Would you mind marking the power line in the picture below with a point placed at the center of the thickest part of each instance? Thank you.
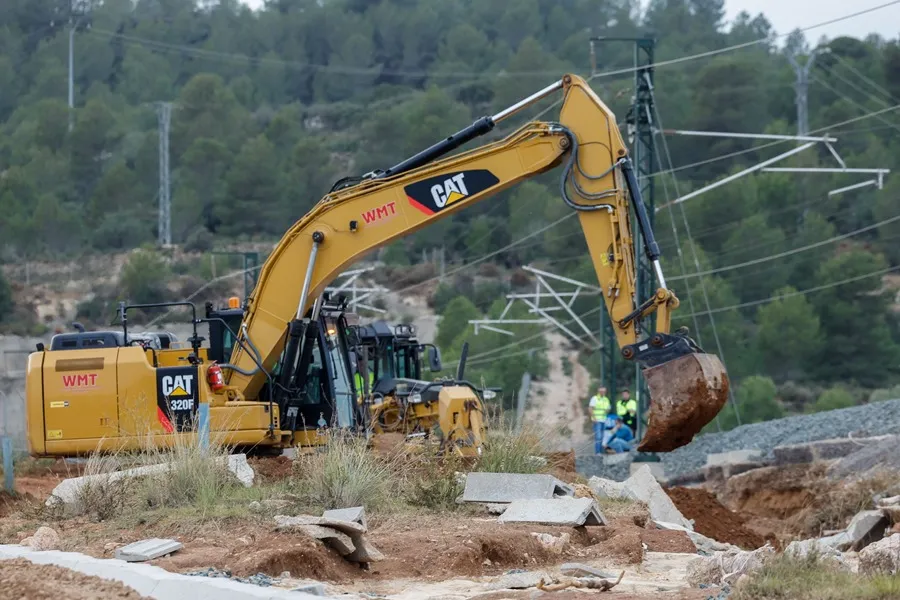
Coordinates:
(800, 292)
(852, 101)
(757, 261)
(864, 77)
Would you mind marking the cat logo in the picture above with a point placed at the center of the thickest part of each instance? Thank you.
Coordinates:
(436, 193)
(177, 386)
(176, 398)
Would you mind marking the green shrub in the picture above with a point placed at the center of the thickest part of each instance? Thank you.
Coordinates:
(508, 451)
(144, 277)
(834, 398)
(883, 394)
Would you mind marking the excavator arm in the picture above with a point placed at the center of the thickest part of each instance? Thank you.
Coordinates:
(596, 181)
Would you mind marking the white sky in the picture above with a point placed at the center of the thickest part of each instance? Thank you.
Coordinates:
(787, 15)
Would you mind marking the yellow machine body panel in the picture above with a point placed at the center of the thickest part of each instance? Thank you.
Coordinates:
(81, 394)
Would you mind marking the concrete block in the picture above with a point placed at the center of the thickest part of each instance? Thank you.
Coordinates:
(606, 488)
(881, 557)
(831, 449)
(687, 479)
(314, 588)
(735, 456)
(341, 542)
(582, 570)
(364, 551)
(791, 455)
(743, 467)
(147, 550)
(866, 527)
(506, 487)
(573, 512)
(237, 464)
(643, 486)
(357, 514)
(347, 527)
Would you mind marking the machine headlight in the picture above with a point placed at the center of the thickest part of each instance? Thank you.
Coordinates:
(489, 394)
(415, 398)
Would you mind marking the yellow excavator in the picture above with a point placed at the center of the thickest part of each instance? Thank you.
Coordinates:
(285, 374)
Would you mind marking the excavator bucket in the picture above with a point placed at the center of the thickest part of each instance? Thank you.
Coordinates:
(686, 393)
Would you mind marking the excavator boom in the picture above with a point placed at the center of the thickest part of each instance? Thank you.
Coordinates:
(596, 181)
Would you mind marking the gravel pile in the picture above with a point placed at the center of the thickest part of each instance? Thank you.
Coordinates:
(878, 418)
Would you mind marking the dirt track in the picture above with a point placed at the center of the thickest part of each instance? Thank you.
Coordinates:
(23, 580)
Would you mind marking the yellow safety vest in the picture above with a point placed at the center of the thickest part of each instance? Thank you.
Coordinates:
(359, 384)
(623, 409)
(601, 408)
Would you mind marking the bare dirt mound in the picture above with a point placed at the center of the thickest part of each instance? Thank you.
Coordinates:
(714, 520)
(662, 540)
(774, 492)
(271, 469)
(23, 579)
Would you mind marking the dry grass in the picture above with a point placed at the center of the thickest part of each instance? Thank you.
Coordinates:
(789, 578)
(835, 507)
(507, 450)
(346, 472)
(435, 483)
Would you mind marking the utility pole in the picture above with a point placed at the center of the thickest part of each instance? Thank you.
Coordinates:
(801, 86)
(164, 114)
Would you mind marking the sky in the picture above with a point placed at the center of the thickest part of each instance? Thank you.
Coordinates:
(787, 15)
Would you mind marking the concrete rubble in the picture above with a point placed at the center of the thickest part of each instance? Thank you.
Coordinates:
(147, 550)
(725, 568)
(551, 543)
(356, 514)
(881, 557)
(606, 488)
(572, 512)
(507, 487)
(67, 492)
(702, 543)
(644, 487)
(347, 538)
(823, 552)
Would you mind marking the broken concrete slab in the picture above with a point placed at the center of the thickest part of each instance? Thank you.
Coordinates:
(573, 512)
(724, 568)
(506, 487)
(364, 551)
(733, 457)
(147, 550)
(356, 514)
(68, 490)
(644, 487)
(341, 542)
(657, 469)
(521, 580)
(315, 588)
(346, 527)
(791, 455)
(866, 527)
(583, 570)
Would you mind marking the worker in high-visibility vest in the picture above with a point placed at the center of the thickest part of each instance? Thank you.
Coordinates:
(360, 391)
(626, 407)
(600, 407)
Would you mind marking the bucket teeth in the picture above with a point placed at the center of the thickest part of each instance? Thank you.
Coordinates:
(686, 393)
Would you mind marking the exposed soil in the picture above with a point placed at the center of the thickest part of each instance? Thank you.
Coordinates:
(661, 540)
(24, 580)
(712, 519)
(774, 492)
(271, 468)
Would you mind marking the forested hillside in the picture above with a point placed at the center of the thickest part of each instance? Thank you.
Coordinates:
(270, 107)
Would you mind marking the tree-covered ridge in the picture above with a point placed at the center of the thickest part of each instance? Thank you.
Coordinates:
(270, 107)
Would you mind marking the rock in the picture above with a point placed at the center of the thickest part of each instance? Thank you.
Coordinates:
(644, 487)
(607, 488)
(237, 464)
(145, 550)
(44, 538)
(881, 557)
(347, 527)
(506, 487)
(823, 552)
(341, 542)
(111, 546)
(582, 570)
(365, 552)
(892, 512)
(520, 581)
(726, 567)
(866, 527)
(572, 512)
(890, 501)
(255, 506)
(553, 544)
(315, 588)
(357, 514)
(495, 508)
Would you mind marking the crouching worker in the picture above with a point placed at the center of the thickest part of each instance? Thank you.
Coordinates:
(622, 439)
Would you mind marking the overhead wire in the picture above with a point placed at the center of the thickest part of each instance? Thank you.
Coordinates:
(865, 78)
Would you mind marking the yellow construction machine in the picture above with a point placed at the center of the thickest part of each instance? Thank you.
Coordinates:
(280, 372)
